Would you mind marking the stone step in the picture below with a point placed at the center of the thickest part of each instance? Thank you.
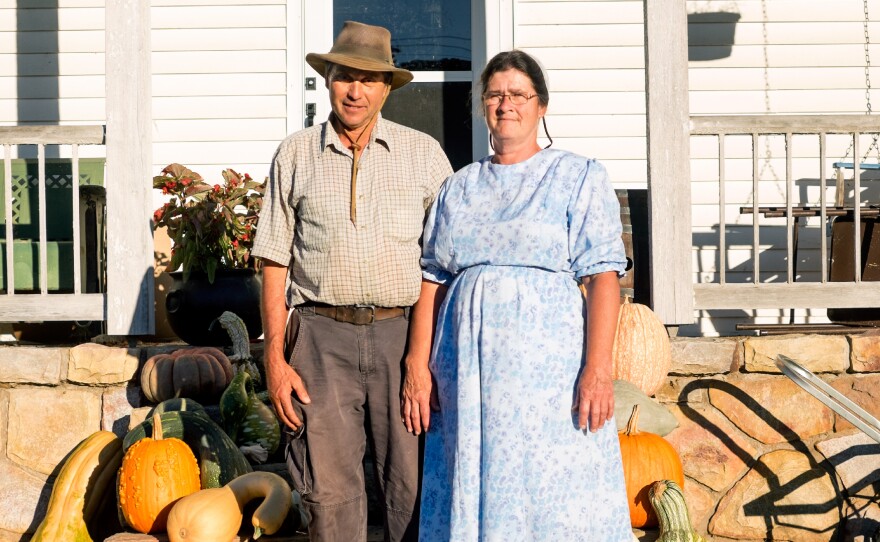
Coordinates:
(374, 534)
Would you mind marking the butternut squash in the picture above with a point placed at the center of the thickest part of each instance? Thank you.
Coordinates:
(212, 515)
(86, 477)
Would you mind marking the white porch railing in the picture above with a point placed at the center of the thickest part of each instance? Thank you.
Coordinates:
(37, 303)
(785, 286)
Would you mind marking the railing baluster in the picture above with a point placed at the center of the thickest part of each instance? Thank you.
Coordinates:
(74, 193)
(756, 240)
(7, 198)
(790, 224)
(722, 227)
(857, 214)
(41, 183)
(823, 218)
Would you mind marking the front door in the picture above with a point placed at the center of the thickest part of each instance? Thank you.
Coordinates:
(432, 39)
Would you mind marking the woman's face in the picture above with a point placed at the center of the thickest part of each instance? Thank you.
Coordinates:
(509, 122)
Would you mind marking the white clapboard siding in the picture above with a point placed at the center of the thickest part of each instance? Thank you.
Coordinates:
(52, 41)
(229, 19)
(599, 125)
(211, 107)
(218, 84)
(231, 62)
(575, 12)
(25, 19)
(593, 35)
(596, 80)
(40, 64)
(701, 77)
(209, 39)
(219, 129)
(69, 86)
(198, 152)
(73, 111)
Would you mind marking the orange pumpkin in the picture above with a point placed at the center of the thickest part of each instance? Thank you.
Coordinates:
(642, 353)
(155, 473)
(647, 458)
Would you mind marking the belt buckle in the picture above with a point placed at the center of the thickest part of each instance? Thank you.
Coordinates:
(362, 312)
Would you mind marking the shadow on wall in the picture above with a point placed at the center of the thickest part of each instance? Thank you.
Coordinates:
(37, 67)
(771, 507)
(710, 34)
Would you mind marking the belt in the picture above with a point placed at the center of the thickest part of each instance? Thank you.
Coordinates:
(360, 315)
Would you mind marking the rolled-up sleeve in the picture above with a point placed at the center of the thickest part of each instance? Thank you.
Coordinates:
(595, 242)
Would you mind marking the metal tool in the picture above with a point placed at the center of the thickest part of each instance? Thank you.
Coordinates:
(830, 397)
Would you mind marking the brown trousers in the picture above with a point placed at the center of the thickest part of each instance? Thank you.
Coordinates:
(353, 376)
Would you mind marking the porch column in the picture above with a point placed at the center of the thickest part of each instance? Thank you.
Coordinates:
(669, 203)
(129, 163)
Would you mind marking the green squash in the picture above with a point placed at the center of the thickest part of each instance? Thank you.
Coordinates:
(653, 417)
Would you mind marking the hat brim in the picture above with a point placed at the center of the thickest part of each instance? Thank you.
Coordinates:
(399, 76)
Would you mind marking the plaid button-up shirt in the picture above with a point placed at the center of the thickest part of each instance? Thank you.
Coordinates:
(305, 223)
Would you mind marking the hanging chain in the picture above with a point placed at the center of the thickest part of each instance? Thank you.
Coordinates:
(873, 145)
(867, 62)
(868, 108)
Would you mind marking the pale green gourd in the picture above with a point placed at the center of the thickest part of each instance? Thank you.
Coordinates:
(672, 513)
(245, 418)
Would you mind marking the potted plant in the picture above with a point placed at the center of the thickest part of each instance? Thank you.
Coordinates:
(212, 228)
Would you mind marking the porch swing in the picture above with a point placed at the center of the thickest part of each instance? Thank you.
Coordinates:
(842, 265)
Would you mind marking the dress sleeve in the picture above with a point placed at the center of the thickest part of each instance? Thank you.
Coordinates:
(594, 229)
(434, 265)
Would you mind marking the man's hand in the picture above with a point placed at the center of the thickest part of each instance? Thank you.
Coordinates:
(283, 383)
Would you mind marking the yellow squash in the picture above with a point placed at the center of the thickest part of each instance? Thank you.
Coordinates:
(85, 478)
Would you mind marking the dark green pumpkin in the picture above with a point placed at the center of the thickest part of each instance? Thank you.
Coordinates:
(220, 460)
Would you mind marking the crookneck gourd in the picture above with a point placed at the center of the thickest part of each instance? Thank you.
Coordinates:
(212, 515)
(245, 418)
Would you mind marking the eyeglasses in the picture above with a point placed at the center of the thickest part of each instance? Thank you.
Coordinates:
(516, 98)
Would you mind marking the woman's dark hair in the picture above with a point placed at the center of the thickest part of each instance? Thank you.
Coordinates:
(517, 60)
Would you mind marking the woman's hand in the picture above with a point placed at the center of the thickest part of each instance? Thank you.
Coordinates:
(418, 394)
(418, 398)
(594, 401)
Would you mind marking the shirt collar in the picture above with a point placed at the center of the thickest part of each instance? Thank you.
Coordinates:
(380, 134)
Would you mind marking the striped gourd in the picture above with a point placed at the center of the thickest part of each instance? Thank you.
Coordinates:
(672, 513)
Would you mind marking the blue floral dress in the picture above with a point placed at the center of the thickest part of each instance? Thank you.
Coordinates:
(504, 458)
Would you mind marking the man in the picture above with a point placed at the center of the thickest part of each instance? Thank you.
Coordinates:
(339, 236)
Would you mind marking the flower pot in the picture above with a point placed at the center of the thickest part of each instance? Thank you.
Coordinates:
(194, 304)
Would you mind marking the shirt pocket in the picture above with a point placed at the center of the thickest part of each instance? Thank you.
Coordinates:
(403, 214)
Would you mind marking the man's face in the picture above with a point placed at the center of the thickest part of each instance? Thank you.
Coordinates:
(356, 95)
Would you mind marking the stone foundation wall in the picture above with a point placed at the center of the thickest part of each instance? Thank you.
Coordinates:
(763, 459)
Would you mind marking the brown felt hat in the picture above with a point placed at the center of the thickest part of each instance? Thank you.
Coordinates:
(363, 47)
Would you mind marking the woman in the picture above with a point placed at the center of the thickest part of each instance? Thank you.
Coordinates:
(523, 446)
